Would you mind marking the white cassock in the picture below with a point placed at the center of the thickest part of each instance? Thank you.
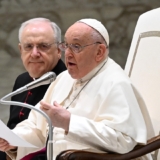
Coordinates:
(107, 115)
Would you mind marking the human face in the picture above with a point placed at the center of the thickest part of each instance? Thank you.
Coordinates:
(36, 61)
(80, 64)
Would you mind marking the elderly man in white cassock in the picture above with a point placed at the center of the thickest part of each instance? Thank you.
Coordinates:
(93, 105)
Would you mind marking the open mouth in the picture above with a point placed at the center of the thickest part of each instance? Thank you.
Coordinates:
(71, 64)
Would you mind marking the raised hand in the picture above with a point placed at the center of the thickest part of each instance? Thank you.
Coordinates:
(59, 116)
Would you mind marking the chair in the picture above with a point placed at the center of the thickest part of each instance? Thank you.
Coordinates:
(143, 67)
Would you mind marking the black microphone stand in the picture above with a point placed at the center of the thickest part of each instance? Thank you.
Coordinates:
(50, 141)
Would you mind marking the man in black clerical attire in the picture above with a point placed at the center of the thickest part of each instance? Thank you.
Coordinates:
(38, 44)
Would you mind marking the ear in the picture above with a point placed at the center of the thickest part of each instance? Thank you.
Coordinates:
(20, 48)
(101, 53)
(59, 53)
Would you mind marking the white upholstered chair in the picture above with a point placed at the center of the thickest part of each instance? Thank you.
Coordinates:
(143, 67)
(143, 63)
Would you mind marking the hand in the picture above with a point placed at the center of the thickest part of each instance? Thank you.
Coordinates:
(4, 145)
(59, 116)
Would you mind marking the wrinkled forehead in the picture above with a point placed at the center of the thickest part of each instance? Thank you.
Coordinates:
(79, 31)
(37, 30)
(38, 26)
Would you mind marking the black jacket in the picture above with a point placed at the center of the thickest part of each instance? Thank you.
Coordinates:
(32, 97)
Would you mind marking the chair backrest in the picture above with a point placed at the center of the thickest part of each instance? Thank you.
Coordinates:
(143, 63)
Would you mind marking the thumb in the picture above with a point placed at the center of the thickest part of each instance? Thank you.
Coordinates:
(56, 104)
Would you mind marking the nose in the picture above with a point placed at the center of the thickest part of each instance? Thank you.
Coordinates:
(68, 52)
(35, 52)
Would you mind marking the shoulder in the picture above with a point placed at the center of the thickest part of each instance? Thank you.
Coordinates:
(23, 75)
(113, 74)
(62, 80)
(22, 80)
(64, 76)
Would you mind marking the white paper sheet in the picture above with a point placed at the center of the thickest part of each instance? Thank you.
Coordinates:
(12, 138)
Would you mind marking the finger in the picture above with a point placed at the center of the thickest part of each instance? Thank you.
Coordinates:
(44, 106)
(4, 147)
(9, 147)
(2, 140)
(56, 104)
(3, 143)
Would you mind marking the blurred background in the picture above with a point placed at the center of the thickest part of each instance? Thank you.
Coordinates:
(119, 17)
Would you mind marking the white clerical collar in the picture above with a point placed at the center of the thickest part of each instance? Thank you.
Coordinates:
(91, 73)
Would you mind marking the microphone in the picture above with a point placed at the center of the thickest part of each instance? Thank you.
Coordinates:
(43, 80)
(47, 78)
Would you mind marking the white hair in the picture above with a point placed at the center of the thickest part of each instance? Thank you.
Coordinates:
(56, 29)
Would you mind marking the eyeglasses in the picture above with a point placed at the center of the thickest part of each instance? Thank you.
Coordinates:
(74, 47)
(41, 47)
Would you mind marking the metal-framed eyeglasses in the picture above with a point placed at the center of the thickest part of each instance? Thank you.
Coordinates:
(75, 48)
(41, 46)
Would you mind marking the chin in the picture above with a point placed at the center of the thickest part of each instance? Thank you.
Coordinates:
(74, 76)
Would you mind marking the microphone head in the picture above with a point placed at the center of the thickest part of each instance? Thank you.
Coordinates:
(47, 78)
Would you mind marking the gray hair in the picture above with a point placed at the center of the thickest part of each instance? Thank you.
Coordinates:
(98, 37)
(56, 29)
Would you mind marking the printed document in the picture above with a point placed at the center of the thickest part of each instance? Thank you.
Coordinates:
(12, 138)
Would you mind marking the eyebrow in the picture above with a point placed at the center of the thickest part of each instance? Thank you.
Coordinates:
(74, 40)
(65, 38)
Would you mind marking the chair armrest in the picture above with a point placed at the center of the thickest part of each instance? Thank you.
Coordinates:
(138, 151)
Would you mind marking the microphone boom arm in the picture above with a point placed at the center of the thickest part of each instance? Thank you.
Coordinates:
(22, 89)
